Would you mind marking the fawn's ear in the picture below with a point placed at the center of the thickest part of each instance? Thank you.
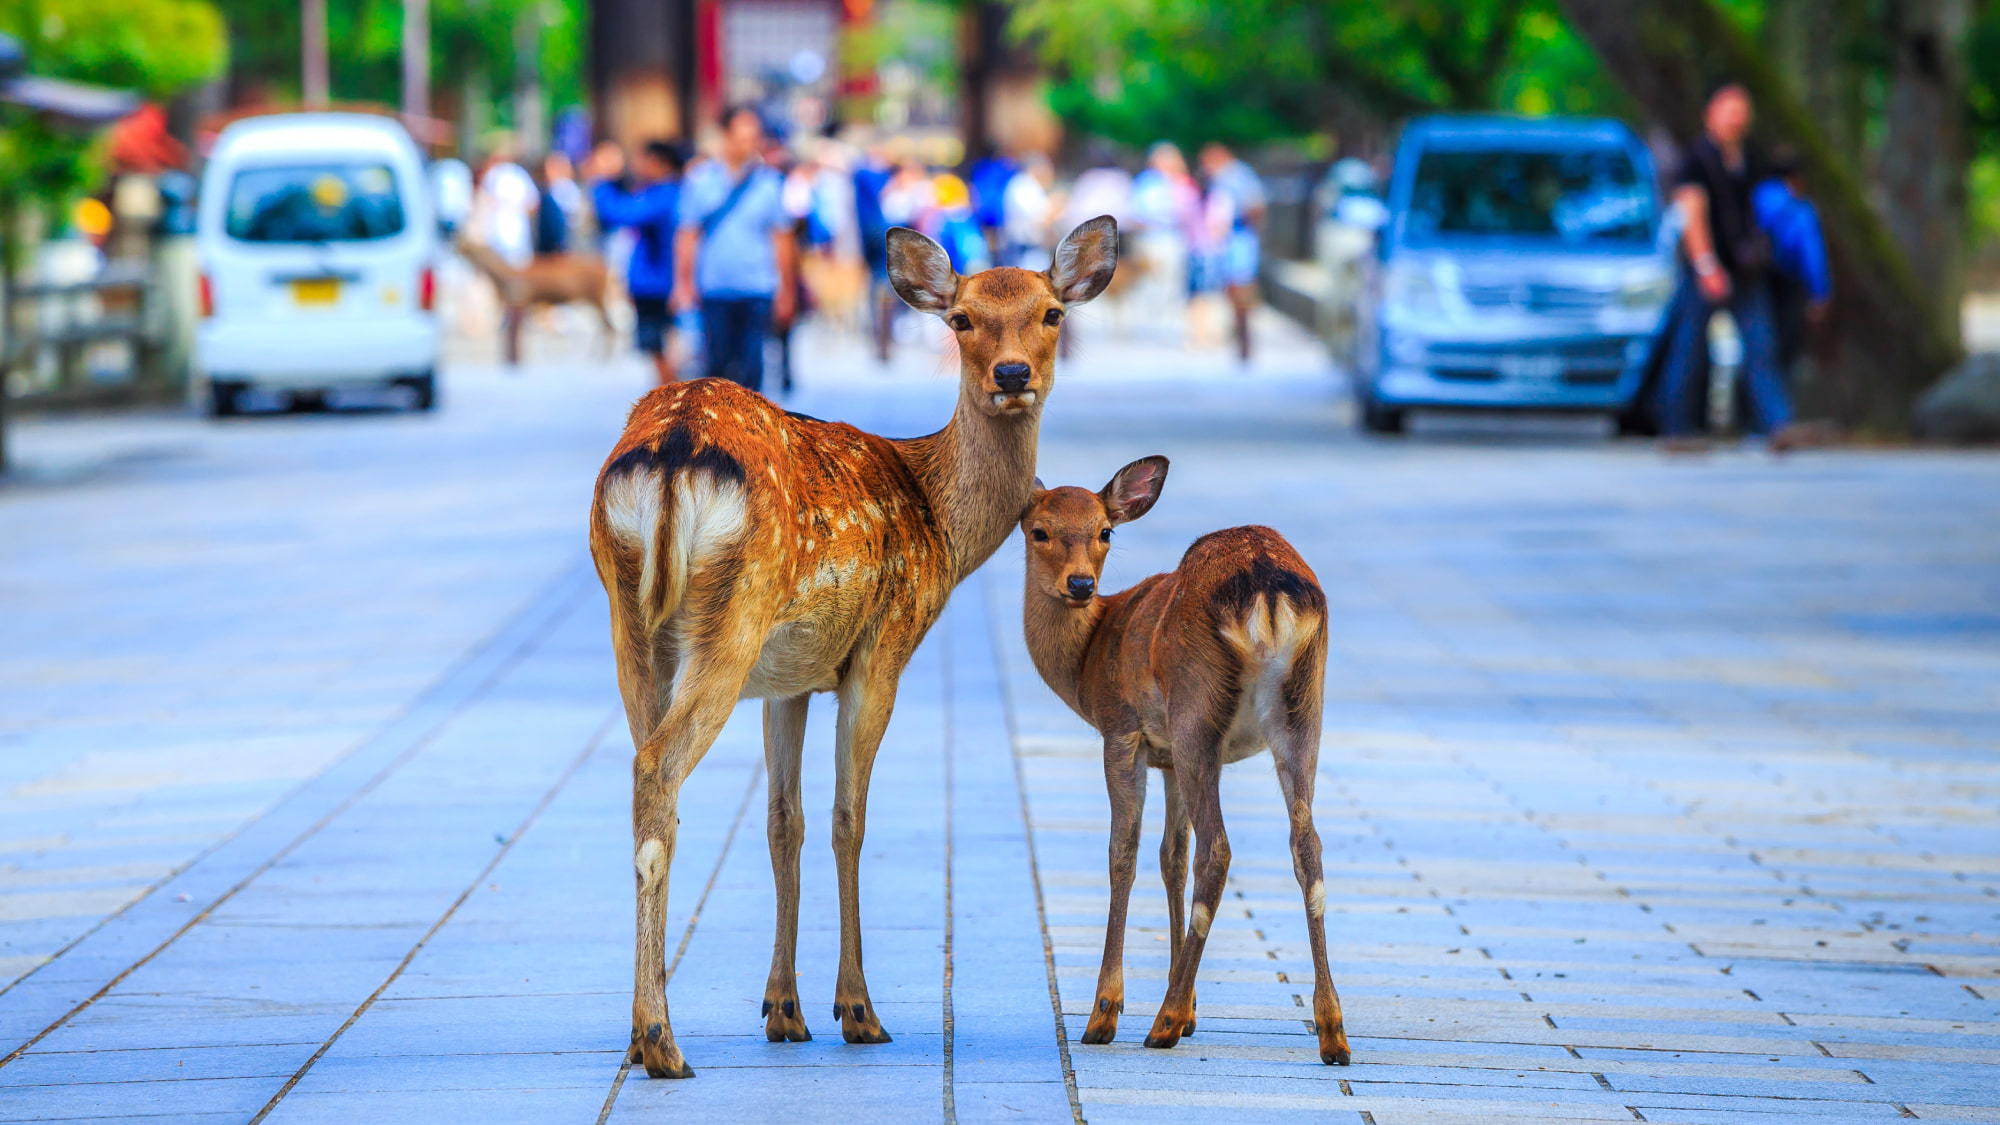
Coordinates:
(921, 271)
(1085, 261)
(1034, 497)
(1133, 490)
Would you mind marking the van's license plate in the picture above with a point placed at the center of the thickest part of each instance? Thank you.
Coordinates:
(1531, 367)
(316, 290)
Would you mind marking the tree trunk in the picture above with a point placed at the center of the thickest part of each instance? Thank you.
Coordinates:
(1887, 337)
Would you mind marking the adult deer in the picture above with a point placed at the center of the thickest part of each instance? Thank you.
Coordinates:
(1186, 671)
(752, 553)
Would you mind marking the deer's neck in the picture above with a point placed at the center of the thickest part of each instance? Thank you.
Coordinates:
(979, 472)
(1058, 639)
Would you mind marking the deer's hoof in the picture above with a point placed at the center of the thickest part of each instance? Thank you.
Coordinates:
(1333, 1047)
(784, 1023)
(653, 1047)
(1166, 1030)
(1103, 1026)
(859, 1024)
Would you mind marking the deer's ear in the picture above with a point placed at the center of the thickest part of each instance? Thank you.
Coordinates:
(921, 271)
(1085, 261)
(1134, 489)
(1039, 486)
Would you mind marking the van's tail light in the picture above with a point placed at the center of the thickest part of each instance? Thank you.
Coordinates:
(427, 289)
(207, 296)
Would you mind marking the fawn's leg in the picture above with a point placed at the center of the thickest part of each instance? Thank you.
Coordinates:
(1198, 772)
(1296, 751)
(784, 736)
(1173, 872)
(1125, 781)
(867, 697)
(701, 704)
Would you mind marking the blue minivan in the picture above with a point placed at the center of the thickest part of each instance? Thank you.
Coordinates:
(1520, 266)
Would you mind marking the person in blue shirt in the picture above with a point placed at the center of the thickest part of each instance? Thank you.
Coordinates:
(1801, 283)
(650, 207)
(735, 258)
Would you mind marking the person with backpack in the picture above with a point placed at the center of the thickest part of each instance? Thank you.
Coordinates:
(1801, 282)
(736, 258)
(650, 208)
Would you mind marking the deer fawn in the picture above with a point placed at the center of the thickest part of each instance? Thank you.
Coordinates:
(1186, 672)
(749, 552)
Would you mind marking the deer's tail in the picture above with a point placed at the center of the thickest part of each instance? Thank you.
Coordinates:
(668, 510)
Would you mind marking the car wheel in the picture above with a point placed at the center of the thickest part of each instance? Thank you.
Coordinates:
(424, 390)
(1379, 419)
(224, 399)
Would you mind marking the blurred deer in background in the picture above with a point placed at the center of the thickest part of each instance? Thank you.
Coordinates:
(1186, 672)
(752, 553)
(548, 279)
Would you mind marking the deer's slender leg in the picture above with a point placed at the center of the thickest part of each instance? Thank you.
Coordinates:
(702, 700)
(1198, 772)
(784, 736)
(1125, 781)
(866, 699)
(1296, 751)
(1173, 872)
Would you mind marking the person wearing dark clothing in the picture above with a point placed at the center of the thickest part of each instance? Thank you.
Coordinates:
(1801, 283)
(1724, 258)
(650, 208)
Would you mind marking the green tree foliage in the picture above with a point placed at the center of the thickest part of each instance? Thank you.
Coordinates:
(366, 37)
(1187, 70)
(155, 48)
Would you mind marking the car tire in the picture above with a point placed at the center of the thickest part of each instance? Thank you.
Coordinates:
(1379, 419)
(423, 388)
(225, 399)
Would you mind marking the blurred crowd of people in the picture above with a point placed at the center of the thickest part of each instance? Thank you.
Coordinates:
(729, 247)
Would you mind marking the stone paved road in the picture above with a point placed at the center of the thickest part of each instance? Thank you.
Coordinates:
(1653, 789)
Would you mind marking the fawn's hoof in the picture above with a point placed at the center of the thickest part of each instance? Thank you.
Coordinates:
(858, 1024)
(653, 1048)
(1167, 1030)
(784, 1023)
(1333, 1048)
(1103, 1026)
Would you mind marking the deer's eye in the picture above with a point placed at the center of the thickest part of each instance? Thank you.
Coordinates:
(961, 322)
(1104, 536)
(1052, 317)
(1038, 535)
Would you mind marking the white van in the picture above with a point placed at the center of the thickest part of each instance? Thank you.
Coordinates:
(318, 248)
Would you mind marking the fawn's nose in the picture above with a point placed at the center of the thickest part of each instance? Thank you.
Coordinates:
(1012, 377)
(1081, 586)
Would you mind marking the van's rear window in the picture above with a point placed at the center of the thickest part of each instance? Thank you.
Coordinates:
(330, 202)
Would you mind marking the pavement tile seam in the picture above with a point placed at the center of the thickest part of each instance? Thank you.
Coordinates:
(500, 853)
(474, 673)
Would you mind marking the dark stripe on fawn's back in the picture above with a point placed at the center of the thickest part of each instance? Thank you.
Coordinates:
(1265, 576)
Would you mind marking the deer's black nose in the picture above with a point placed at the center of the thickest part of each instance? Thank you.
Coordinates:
(1081, 586)
(1012, 377)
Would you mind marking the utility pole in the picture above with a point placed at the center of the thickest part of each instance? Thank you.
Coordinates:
(417, 65)
(530, 126)
(313, 82)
